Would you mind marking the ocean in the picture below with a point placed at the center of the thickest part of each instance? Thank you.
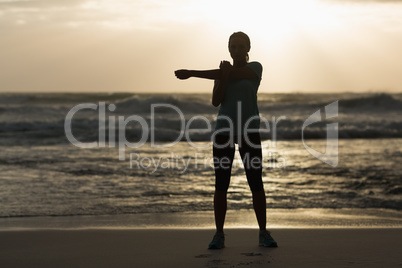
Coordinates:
(151, 153)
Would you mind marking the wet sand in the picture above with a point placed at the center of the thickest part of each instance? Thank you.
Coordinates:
(302, 247)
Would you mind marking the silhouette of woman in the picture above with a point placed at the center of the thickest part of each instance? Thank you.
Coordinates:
(235, 90)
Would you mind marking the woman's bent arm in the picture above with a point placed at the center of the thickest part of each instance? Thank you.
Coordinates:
(220, 85)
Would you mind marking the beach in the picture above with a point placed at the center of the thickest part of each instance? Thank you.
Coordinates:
(188, 248)
(63, 205)
(306, 238)
(128, 129)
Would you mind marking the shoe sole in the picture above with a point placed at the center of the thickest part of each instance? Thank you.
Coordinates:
(273, 245)
(215, 247)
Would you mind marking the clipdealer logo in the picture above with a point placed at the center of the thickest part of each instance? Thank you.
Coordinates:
(330, 156)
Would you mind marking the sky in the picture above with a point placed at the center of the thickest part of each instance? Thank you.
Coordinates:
(134, 46)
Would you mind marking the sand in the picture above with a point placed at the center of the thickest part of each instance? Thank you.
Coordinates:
(325, 247)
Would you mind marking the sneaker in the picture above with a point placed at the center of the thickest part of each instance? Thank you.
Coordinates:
(218, 241)
(266, 240)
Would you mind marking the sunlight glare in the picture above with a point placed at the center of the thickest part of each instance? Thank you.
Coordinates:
(275, 20)
(278, 18)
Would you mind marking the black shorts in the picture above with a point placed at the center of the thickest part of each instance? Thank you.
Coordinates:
(251, 155)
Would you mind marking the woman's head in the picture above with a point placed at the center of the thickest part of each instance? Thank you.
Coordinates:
(239, 46)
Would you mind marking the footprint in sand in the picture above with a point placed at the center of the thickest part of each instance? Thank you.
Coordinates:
(251, 254)
(203, 256)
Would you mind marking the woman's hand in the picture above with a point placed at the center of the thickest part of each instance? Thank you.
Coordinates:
(182, 74)
(225, 66)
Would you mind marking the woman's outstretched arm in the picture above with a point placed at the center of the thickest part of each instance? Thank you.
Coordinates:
(206, 74)
(235, 73)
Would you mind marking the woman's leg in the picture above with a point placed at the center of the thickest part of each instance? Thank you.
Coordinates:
(223, 159)
(260, 208)
(220, 206)
(251, 155)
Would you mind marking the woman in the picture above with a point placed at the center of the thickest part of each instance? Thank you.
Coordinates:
(235, 90)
